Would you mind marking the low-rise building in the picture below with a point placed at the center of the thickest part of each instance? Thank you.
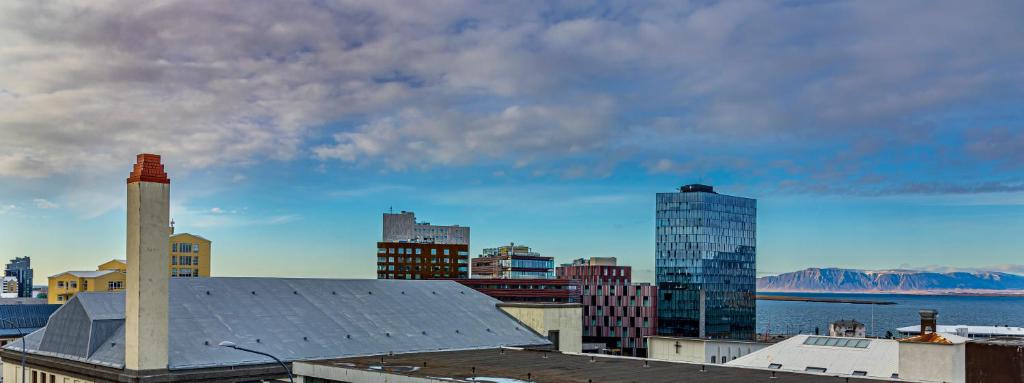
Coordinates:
(9, 287)
(559, 322)
(696, 350)
(825, 355)
(21, 316)
(998, 359)
(520, 366)
(189, 257)
(422, 260)
(968, 331)
(847, 328)
(513, 262)
(65, 285)
(527, 290)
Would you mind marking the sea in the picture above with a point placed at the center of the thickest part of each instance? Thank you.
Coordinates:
(792, 317)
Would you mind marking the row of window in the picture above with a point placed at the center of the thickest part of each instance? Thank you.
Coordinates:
(418, 269)
(417, 276)
(184, 247)
(184, 272)
(433, 260)
(185, 260)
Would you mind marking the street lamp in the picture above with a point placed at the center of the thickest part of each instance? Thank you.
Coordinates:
(23, 352)
(236, 347)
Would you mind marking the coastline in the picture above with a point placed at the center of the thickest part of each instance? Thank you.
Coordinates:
(967, 293)
(769, 297)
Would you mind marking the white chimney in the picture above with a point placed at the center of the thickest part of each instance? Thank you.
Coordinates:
(145, 320)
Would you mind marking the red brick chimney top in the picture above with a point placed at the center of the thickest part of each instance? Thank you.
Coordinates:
(148, 169)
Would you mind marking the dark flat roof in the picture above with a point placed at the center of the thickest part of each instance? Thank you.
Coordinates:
(546, 366)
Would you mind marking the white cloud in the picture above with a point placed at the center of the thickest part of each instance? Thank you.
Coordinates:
(6, 208)
(402, 85)
(44, 204)
(217, 210)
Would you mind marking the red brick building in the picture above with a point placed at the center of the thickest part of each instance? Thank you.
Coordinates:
(420, 260)
(616, 311)
(527, 290)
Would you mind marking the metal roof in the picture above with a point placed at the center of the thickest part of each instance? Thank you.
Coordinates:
(878, 358)
(293, 319)
(86, 273)
(971, 330)
(24, 317)
(523, 366)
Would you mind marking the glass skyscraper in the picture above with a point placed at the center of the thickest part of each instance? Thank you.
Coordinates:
(705, 263)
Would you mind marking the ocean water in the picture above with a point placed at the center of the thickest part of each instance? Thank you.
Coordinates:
(783, 317)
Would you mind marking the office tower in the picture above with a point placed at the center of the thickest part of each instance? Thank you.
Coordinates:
(513, 262)
(21, 268)
(402, 227)
(705, 263)
(616, 312)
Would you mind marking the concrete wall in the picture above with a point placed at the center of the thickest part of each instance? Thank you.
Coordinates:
(146, 291)
(12, 374)
(566, 319)
(693, 350)
(932, 362)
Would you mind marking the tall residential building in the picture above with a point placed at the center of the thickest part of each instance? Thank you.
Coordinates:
(705, 263)
(616, 311)
(513, 262)
(21, 268)
(422, 260)
(402, 227)
(189, 256)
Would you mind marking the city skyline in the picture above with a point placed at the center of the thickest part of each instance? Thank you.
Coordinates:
(874, 136)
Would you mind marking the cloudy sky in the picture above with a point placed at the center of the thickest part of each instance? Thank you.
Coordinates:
(874, 134)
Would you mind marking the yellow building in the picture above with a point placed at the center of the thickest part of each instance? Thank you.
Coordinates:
(189, 257)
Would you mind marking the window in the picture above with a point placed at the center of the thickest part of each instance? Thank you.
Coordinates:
(433, 251)
(174, 260)
(774, 366)
(819, 370)
(115, 285)
(860, 373)
(73, 285)
(381, 250)
(713, 360)
(174, 247)
(419, 251)
(401, 250)
(195, 247)
(60, 284)
(447, 252)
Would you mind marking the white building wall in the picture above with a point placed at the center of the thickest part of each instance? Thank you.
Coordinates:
(693, 350)
(931, 362)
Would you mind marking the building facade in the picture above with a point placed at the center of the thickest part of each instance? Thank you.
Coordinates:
(527, 290)
(847, 328)
(616, 311)
(189, 257)
(422, 260)
(513, 262)
(21, 268)
(402, 227)
(9, 287)
(705, 263)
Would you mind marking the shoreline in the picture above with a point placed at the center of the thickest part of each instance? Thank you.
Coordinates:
(769, 297)
(1010, 293)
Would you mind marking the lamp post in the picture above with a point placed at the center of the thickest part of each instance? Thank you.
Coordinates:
(23, 348)
(236, 347)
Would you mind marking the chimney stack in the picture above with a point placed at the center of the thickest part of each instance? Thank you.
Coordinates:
(929, 321)
(146, 292)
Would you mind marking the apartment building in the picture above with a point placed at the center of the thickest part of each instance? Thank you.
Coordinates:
(189, 257)
(403, 227)
(422, 260)
(616, 312)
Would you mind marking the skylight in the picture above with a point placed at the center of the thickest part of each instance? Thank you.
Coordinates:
(836, 342)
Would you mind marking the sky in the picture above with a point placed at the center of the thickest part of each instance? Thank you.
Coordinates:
(875, 135)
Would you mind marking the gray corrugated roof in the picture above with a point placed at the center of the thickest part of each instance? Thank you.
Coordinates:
(86, 273)
(293, 319)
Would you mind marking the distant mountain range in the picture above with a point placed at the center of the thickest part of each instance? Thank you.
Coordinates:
(847, 280)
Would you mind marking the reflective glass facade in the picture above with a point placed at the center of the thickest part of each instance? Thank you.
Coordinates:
(705, 263)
